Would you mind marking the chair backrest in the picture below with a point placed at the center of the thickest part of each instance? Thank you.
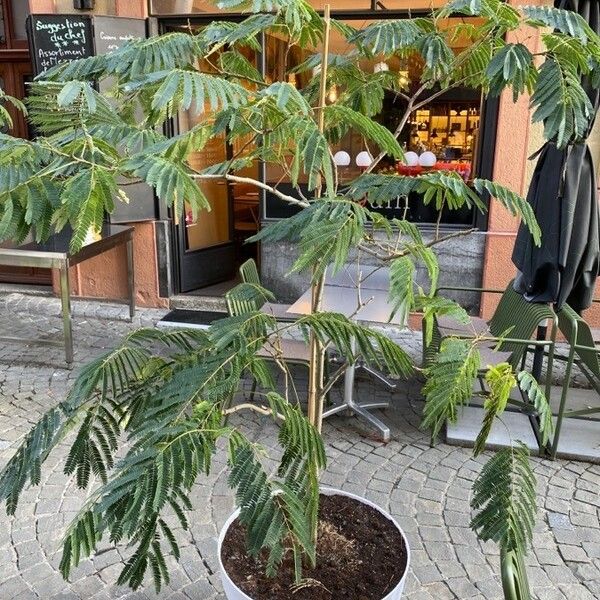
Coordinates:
(249, 272)
(578, 333)
(237, 306)
(518, 319)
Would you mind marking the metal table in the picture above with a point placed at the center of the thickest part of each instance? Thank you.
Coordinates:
(54, 254)
(340, 294)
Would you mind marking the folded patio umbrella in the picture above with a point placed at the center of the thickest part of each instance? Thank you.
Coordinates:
(563, 194)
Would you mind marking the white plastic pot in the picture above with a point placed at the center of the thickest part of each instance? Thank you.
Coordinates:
(233, 592)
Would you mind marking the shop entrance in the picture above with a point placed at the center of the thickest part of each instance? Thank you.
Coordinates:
(211, 245)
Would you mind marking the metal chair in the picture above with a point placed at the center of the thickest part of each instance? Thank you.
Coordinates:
(509, 337)
(249, 274)
(583, 353)
(280, 351)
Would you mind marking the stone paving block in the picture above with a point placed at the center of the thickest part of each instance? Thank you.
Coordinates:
(462, 587)
(573, 553)
(427, 489)
(427, 574)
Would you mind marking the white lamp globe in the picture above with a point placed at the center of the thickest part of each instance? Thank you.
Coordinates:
(341, 158)
(364, 159)
(411, 159)
(427, 159)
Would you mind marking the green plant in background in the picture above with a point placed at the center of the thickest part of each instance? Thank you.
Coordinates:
(5, 99)
(164, 398)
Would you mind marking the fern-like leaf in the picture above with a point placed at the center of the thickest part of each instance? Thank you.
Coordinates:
(504, 500)
(529, 385)
(450, 381)
(514, 203)
(500, 380)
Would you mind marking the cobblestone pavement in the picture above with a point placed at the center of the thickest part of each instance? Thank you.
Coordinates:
(426, 489)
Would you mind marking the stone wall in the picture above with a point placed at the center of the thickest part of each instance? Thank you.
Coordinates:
(461, 265)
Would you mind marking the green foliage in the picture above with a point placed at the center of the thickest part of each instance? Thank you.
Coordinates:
(500, 380)
(514, 203)
(168, 394)
(529, 385)
(561, 102)
(512, 65)
(442, 188)
(352, 340)
(433, 306)
(325, 232)
(172, 181)
(5, 118)
(504, 499)
(565, 21)
(171, 407)
(402, 295)
(179, 89)
(450, 381)
(282, 511)
(389, 36)
(366, 127)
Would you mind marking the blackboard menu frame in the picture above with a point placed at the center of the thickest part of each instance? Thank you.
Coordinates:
(58, 38)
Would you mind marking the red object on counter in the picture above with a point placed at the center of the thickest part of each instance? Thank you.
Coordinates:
(463, 169)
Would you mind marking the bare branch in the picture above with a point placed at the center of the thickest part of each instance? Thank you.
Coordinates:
(256, 183)
(393, 254)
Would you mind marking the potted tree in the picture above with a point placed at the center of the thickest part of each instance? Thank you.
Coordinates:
(148, 415)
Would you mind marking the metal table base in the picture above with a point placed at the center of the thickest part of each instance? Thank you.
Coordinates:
(362, 408)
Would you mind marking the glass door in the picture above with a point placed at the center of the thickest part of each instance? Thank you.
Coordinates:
(211, 245)
(205, 243)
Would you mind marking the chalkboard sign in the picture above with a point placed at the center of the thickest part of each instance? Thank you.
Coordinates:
(110, 33)
(55, 39)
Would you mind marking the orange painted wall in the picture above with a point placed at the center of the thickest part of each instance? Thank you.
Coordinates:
(105, 276)
(510, 169)
(516, 140)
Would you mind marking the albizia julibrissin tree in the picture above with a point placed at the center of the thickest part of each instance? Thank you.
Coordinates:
(171, 406)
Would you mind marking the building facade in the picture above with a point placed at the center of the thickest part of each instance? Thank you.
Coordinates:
(491, 138)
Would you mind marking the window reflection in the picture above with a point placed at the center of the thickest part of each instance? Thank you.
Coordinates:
(20, 12)
(234, 214)
(448, 126)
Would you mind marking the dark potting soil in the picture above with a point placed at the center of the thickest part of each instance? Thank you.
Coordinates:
(360, 556)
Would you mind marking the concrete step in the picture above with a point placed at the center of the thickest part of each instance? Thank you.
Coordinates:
(579, 438)
(189, 302)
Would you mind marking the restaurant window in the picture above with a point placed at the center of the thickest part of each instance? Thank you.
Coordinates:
(185, 7)
(449, 126)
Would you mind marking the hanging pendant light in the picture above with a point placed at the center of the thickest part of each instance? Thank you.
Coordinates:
(364, 159)
(341, 158)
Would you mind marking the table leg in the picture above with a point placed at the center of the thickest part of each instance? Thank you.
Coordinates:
(65, 299)
(379, 376)
(349, 377)
(377, 423)
(130, 278)
(361, 410)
